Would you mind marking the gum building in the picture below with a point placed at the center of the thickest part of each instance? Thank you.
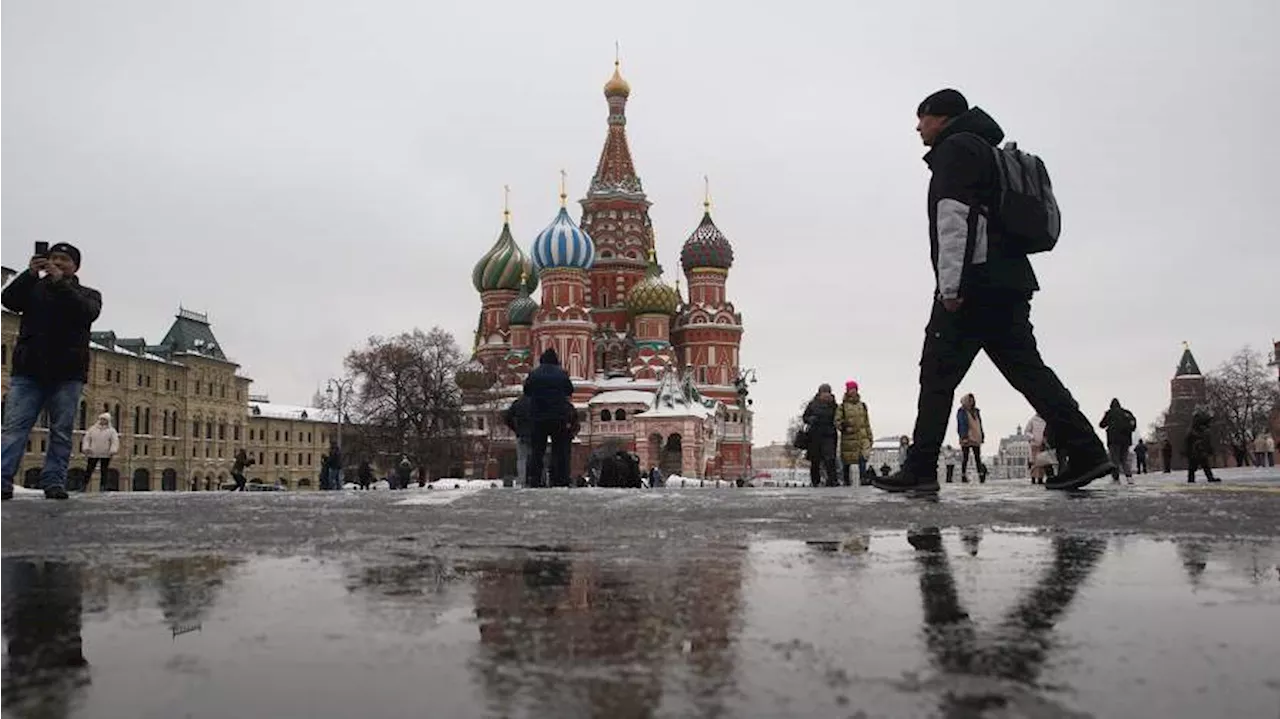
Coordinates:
(182, 408)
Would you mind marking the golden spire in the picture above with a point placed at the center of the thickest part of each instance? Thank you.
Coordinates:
(706, 194)
(564, 194)
(506, 205)
(616, 85)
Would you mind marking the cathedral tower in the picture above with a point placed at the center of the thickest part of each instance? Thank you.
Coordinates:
(498, 277)
(562, 255)
(708, 329)
(615, 213)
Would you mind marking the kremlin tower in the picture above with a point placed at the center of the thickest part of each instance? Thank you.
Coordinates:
(653, 373)
(1187, 393)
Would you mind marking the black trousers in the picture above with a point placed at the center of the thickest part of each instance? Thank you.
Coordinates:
(822, 457)
(240, 481)
(998, 323)
(977, 460)
(95, 462)
(557, 433)
(1141, 461)
(1194, 463)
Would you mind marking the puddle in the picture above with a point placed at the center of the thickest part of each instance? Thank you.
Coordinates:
(1010, 622)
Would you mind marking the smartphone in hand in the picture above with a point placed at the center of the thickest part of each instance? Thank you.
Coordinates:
(42, 249)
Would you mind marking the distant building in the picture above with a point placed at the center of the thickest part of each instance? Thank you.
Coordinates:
(182, 409)
(1013, 459)
(1187, 393)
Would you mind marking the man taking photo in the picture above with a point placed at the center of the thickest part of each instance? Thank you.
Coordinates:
(50, 361)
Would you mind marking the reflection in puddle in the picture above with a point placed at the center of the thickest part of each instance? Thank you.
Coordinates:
(924, 623)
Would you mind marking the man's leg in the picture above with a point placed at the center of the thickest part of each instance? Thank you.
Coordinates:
(21, 410)
(815, 470)
(63, 402)
(537, 450)
(1116, 453)
(561, 446)
(1011, 344)
(522, 457)
(950, 345)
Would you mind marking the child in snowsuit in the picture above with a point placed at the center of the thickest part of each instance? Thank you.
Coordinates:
(1199, 448)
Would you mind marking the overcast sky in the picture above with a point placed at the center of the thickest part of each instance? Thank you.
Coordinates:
(311, 173)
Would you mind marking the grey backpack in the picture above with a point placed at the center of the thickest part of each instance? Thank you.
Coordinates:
(1027, 210)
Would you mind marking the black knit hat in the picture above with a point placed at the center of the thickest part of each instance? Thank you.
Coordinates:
(947, 103)
(67, 249)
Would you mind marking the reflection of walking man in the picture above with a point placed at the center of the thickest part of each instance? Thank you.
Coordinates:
(1018, 648)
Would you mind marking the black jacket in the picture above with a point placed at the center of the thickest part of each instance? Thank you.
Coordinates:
(820, 415)
(519, 418)
(548, 388)
(966, 249)
(53, 337)
(1120, 424)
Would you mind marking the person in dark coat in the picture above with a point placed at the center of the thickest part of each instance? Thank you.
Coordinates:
(365, 474)
(1166, 456)
(50, 362)
(1120, 424)
(243, 462)
(549, 388)
(982, 302)
(519, 419)
(1198, 447)
(1140, 456)
(404, 470)
(820, 417)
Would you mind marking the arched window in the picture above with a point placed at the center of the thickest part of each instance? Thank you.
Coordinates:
(84, 414)
(146, 420)
(621, 415)
(605, 416)
(222, 430)
(137, 420)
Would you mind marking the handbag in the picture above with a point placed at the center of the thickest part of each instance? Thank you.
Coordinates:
(801, 440)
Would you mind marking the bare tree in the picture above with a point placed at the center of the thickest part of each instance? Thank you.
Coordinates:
(1242, 395)
(406, 400)
(1155, 430)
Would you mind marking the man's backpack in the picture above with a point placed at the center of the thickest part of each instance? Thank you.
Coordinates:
(1027, 210)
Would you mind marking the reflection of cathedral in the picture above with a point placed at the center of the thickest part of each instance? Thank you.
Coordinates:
(655, 372)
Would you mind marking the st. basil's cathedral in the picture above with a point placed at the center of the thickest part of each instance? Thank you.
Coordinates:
(655, 372)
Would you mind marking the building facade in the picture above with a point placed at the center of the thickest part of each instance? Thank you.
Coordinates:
(182, 409)
(629, 340)
(1013, 459)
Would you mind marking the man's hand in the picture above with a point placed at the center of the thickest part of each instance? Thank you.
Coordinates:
(38, 264)
(53, 272)
(952, 305)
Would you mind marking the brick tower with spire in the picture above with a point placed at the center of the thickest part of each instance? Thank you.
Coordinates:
(615, 213)
(1187, 393)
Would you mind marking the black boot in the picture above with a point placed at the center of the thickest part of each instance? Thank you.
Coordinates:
(906, 481)
(55, 493)
(1080, 468)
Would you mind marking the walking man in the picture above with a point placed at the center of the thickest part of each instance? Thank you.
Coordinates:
(243, 462)
(1120, 424)
(982, 302)
(50, 361)
(1140, 456)
(1166, 456)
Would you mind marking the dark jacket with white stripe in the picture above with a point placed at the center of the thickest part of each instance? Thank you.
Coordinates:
(966, 248)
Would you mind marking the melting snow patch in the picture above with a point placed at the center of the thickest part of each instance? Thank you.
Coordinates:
(447, 491)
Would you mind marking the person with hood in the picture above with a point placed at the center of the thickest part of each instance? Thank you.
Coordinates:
(982, 301)
(1166, 456)
(820, 418)
(1120, 424)
(548, 388)
(50, 362)
(949, 461)
(519, 420)
(243, 461)
(365, 474)
(854, 423)
(1140, 456)
(1198, 447)
(101, 442)
(969, 426)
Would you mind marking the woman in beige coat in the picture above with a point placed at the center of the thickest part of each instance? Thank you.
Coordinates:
(100, 444)
(854, 424)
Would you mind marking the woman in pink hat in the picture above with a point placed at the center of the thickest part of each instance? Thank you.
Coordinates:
(855, 433)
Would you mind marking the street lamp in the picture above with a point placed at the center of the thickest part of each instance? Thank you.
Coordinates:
(343, 387)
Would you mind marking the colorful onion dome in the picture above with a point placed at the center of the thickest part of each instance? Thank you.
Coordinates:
(522, 308)
(617, 87)
(651, 295)
(503, 265)
(706, 247)
(563, 245)
(474, 375)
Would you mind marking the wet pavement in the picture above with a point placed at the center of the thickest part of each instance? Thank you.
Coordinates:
(997, 601)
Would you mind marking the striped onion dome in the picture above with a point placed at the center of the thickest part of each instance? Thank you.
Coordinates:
(503, 265)
(563, 245)
(651, 295)
(706, 247)
(521, 310)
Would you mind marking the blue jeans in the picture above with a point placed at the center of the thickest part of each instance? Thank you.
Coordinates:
(27, 396)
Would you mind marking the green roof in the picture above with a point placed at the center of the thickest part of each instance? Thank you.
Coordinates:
(192, 334)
